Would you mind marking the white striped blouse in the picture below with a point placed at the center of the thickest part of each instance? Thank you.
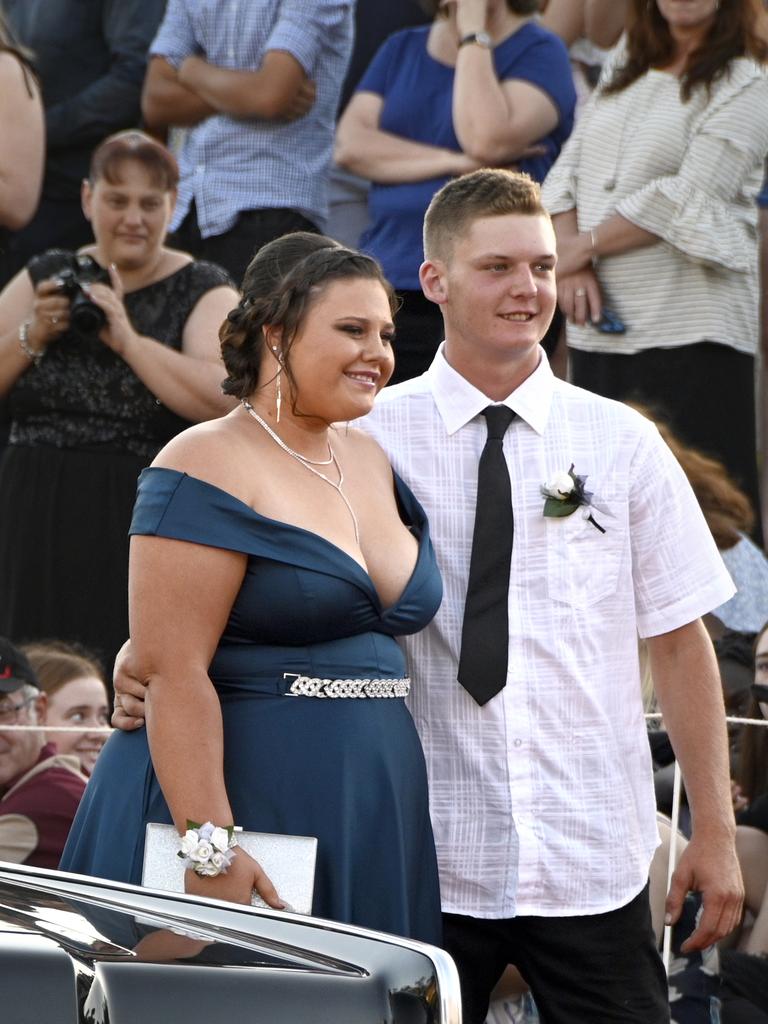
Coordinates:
(689, 173)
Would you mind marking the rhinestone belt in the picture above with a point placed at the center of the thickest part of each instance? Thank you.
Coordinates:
(310, 686)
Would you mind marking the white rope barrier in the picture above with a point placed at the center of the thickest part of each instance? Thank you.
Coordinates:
(99, 730)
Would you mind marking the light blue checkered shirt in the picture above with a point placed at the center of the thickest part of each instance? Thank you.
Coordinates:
(229, 165)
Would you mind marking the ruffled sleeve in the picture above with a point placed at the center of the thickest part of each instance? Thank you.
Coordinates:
(706, 210)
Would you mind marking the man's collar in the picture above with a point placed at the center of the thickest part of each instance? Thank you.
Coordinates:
(458, 401)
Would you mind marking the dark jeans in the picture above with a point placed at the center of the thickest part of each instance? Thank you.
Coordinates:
(593, 969)
(235, 249)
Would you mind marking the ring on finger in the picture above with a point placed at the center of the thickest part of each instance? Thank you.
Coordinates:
(54, 319)
(580, 293)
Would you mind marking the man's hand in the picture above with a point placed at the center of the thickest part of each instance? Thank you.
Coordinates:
(302, 102)
(708, 865)
(130, 692)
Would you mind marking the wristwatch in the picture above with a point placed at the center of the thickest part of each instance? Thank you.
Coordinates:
(480, 38)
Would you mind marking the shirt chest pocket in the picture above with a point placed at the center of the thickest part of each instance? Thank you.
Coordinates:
(583, 564)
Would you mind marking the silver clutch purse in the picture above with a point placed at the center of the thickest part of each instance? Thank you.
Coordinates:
(289, 861)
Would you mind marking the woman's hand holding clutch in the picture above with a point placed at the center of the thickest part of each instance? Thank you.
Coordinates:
(235, 885)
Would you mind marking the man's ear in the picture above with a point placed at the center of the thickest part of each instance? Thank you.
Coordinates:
(434, 281)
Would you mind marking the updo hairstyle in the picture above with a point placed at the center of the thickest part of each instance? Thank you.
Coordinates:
(280, 285)
(159, 163)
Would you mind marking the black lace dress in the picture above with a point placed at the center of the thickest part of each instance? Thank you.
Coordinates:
(83, 426)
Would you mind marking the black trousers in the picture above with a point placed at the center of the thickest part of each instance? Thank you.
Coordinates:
(594, 969)
(235, 249)
(705, 393)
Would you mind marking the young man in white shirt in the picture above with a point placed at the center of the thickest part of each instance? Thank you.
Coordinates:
(541, 797)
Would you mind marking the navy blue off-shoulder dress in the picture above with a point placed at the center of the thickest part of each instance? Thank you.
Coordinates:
(349, 771)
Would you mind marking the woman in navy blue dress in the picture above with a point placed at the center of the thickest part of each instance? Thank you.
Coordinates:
(274, 555)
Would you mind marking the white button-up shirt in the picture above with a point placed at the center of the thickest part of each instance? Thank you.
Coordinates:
(542, 800)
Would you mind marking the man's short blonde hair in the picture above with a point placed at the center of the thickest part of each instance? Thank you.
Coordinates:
(484, 193)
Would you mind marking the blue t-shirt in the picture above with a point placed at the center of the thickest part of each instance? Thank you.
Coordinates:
(417, 92)
(762, 199)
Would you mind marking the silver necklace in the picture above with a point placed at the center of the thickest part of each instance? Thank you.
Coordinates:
(309, 463)
(278, 440)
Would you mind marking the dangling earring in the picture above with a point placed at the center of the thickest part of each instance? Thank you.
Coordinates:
(278, 389)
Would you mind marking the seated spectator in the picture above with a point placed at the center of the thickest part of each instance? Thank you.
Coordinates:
(74, 684)
(751, 791)
(39, 789)
(90, 56)
(653, 203)
(438, 101)
(23, 133)
(258, 86)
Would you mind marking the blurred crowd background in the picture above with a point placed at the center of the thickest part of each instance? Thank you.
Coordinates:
(150, 147)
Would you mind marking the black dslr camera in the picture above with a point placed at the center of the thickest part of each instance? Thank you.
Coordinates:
(85, 317)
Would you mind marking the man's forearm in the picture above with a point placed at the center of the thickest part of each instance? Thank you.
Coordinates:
(264, 94)
(166, 102)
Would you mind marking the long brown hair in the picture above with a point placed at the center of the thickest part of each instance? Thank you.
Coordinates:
(735, 32)
(753, 747)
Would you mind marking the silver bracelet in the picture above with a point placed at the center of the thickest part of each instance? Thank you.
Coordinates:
(593, 245)
(31, 353)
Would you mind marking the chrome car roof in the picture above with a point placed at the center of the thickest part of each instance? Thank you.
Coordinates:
(75, 949)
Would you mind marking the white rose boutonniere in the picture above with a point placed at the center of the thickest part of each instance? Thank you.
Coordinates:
(566, 492)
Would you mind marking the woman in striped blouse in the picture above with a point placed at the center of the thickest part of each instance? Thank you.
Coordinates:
(653, 201)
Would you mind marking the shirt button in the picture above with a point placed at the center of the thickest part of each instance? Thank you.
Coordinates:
(518, 743)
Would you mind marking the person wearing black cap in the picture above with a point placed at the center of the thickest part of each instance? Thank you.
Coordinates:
(39, 789)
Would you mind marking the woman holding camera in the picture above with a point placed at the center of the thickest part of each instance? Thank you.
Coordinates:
(653, 202)
(104, 356)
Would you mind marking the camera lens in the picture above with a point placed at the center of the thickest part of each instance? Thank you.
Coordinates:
(85, 316)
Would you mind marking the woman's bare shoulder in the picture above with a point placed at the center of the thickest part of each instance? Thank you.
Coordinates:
(214, 451)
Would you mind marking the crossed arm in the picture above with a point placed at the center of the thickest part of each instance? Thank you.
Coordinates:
(278, 90)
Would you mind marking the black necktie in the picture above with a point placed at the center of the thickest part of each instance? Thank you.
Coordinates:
(485, 631)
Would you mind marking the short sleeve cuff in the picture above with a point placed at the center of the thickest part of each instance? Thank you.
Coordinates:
(687, 609)
(301, 44)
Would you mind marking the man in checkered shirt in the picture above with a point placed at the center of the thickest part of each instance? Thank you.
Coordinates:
(257, 83)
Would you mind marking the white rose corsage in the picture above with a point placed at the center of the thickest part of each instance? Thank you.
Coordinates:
(566, 492)
(208, 849)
